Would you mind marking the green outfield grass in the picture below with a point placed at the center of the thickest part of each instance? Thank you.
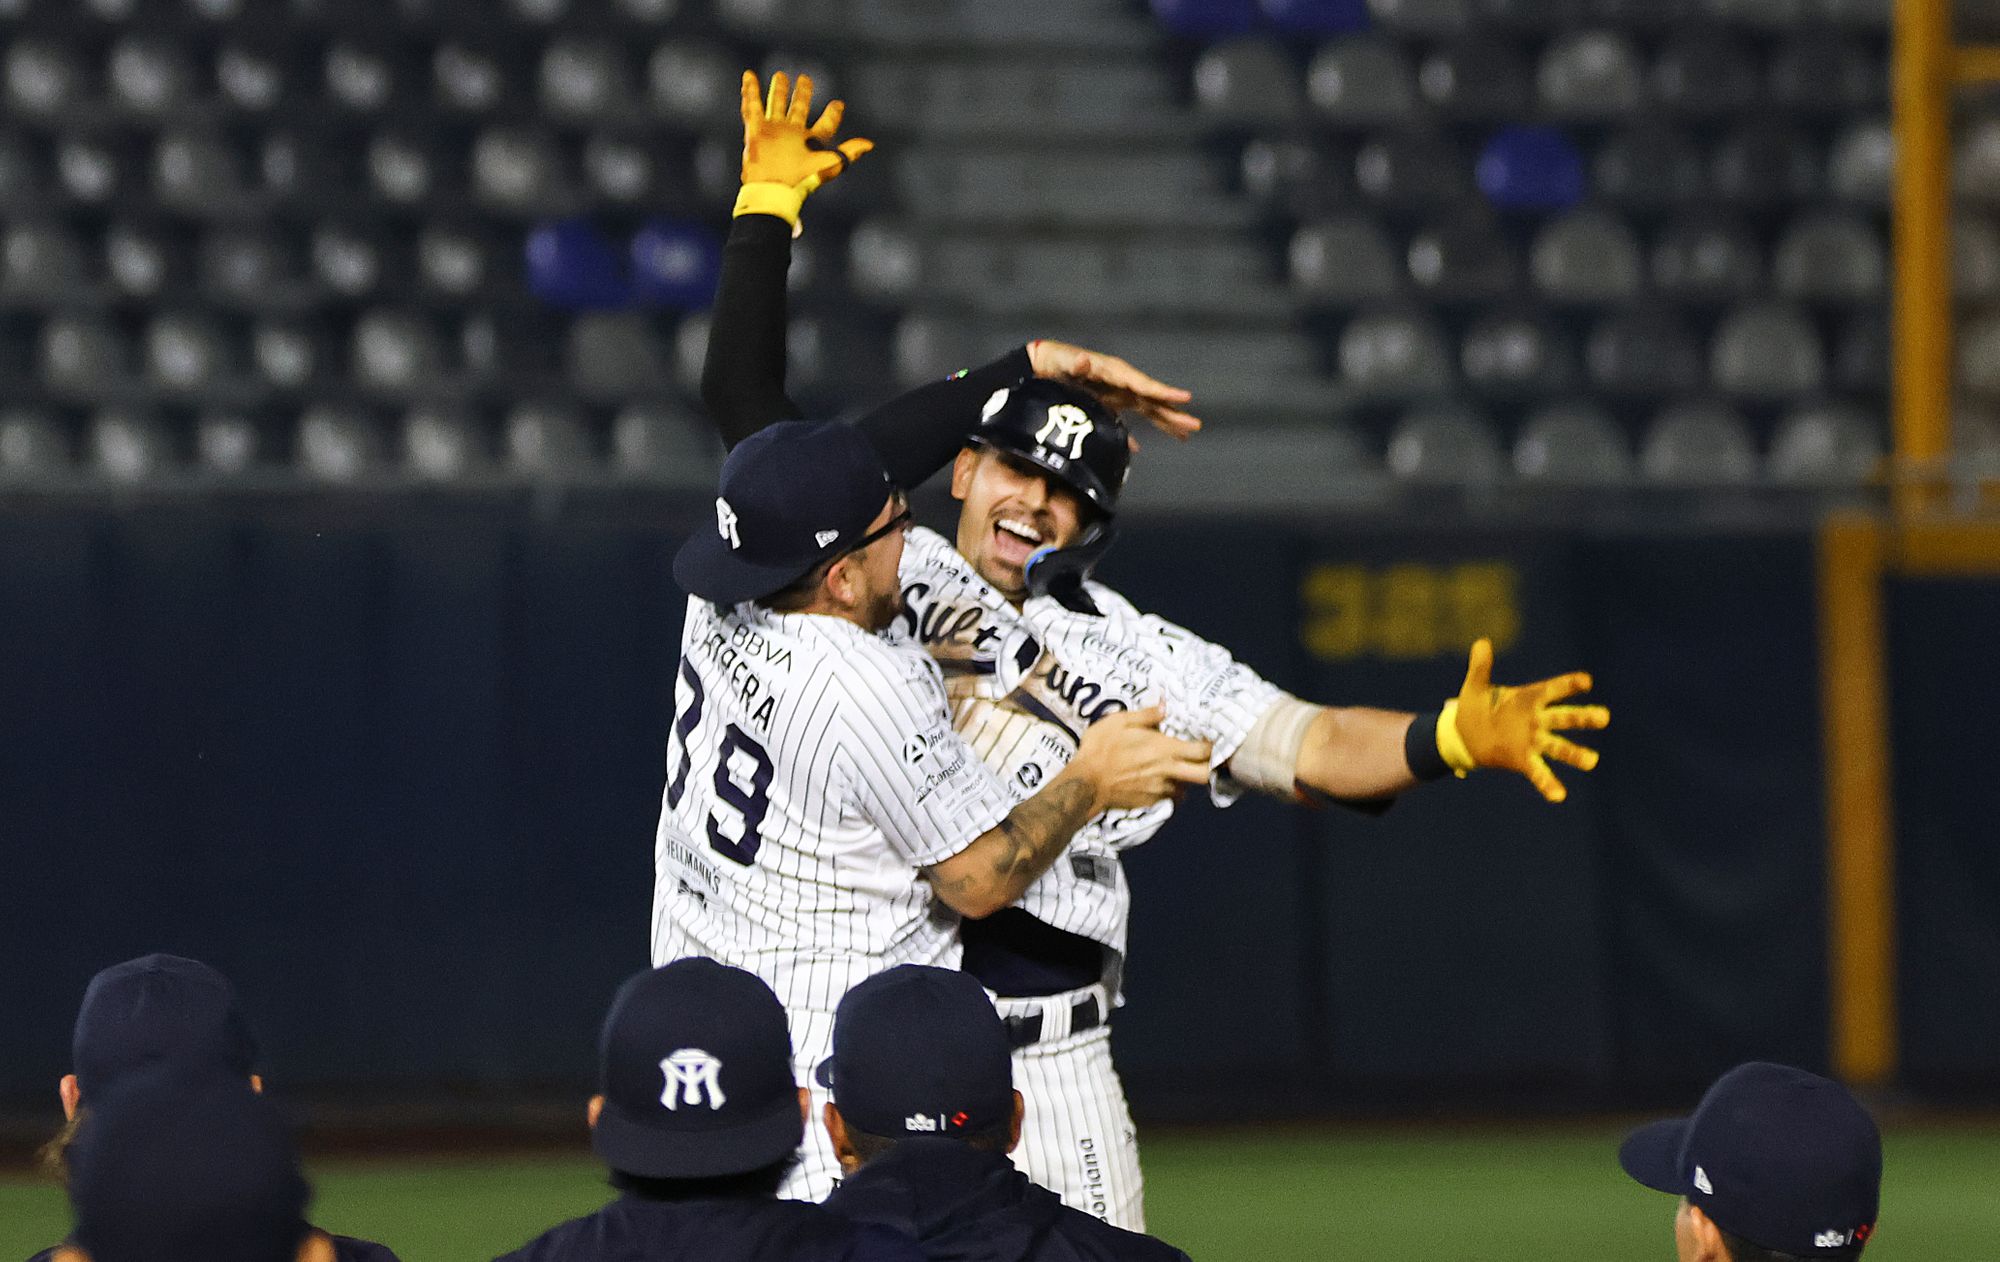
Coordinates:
(1379, 1195)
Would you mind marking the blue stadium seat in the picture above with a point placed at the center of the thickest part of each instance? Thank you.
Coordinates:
(1480, 81)
(1206, 19)
(1649, 168)
(1315, 17)
(676, 264)
(1705, 73)
(571, 264)
(1530, 168)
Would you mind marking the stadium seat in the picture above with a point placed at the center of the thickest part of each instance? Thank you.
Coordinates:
(299, 167)
(676, 264)
(616, 356)
(1707, 258)
(1975, 258)
(538, 12)
(584, 79)
(32, 446)
(1411, 171)
(547, 440)
(1643, 16)
(516, 170)
(1296, 179)
(1394, 355)
(347, 260)
(571, 264)
(1861, 352)
(44, 78)
(1444, 443)
(1425, 19)
(1527, 17)
(83, 358)
(361, 77)
(24, 177)
(403, 169)
(1345, 261)
(43, 263)
(1859, 167)
(1315, 17)
(1868, 14)
(692, 83)
(1530, 168)
(442, 445)
(1361, 81)
(1464, 260)
(1833, 257)
(1515, 353)
(622, 171)
(95, 169)
(1206, 19)
(1571, 444)
(1826, 74)
(289, 354)
(250, 268)
(468, 78)
(1976, 160)
(1248, 83)
(1479, 81)
(142, 260)
(455, 261)
(250, 77)
(184, 354)
(148, 75)
(1825, 443)
(1978, 353)
(1767, 351)
(1649, 169)
(226, 443)
(1644, 352)
(1586, 257)
(337, 444)
(1697, 444)
(1590, 75)
(1771, 15)
(128, 446)
(653, 442)
(1705, 73)
(1765, 166)
(195, 173)
(395, 352)
(884, 260)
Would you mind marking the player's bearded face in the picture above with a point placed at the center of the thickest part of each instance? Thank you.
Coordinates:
(1011, 510)
(874, 572)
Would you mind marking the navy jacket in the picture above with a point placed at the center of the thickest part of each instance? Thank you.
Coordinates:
(631, 1229)
(345, 1249)
(964, 1205)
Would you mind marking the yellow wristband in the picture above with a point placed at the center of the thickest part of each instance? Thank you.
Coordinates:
(781, 200)
(1451, 746)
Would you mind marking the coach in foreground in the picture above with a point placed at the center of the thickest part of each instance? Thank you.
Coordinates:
(1037, 654)
(698, 1120)
(924, 1113)
(1775, 1165)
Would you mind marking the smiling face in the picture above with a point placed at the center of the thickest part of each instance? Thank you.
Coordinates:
(1010, 508)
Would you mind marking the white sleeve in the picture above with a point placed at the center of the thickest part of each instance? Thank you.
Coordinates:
(1210, 696)
(914, 777)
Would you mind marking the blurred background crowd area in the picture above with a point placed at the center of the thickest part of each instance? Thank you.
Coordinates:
(1459, 242)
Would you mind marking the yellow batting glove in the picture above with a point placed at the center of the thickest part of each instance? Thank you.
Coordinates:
(780, 163)
(1488, 725)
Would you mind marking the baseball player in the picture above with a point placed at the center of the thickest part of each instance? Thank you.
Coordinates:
(818, 804)
(1035, 652)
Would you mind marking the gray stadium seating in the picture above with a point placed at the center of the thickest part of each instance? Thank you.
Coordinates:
(442, 445)
(226, 443)
(1586, 257)
(1429, 19)
(1706, 73)
(1572, 444)
(1859, 165)
(1344, 261)
(32, 446)
(1825, 444)
(1975, 257)
(1590, 75)
(1478, 81)
(655, 443)
(1767, 351)
(1707, 258)
(128, 446)
(1696, 444)
(1445, 443)
(1517, 354)
(1831, 256)
(1248, 83)
(1395, 355)
(546, 440)
(615, 356)
(1361, 81)
(337, 444)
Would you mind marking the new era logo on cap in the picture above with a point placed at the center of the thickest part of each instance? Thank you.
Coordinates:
(1701, 1181)
(825, 537)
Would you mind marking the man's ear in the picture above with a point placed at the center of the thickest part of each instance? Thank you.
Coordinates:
(1708, 1246)
(1014, 1123)
(594, 1110)
(71, 1094)
(836, 1131)
(840, 584)
(961, 471)
(805, 1106)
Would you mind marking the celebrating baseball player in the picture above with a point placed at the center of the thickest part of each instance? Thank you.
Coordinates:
(817, 796)
(1035, 653)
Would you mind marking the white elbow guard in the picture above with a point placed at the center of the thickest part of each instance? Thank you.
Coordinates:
(1268, 758)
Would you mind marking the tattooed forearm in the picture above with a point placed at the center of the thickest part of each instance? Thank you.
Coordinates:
(1000, 865)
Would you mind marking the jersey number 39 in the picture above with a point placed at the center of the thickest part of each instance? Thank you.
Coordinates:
(750, 801)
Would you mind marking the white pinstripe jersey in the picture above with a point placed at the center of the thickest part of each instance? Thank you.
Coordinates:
(1025, 683)
(812, 770)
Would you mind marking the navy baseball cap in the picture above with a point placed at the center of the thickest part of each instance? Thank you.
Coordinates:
(792, 495)
(171, 1169)
(159, 1010)
(695, 1065)
(919, 1051)
(1782, 1158)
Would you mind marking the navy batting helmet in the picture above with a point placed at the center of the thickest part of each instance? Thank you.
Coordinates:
(1079, 442)
(1063, 430)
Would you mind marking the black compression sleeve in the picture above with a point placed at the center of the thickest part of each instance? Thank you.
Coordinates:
(743, 373)
(919, 432)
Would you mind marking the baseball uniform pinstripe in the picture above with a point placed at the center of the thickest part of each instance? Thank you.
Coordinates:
(812, 771)
(1023, 686)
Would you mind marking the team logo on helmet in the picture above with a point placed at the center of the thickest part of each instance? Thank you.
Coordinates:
(1067, 426)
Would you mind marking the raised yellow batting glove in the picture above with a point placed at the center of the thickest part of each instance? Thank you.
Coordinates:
(780, 163)
(1488, 725)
